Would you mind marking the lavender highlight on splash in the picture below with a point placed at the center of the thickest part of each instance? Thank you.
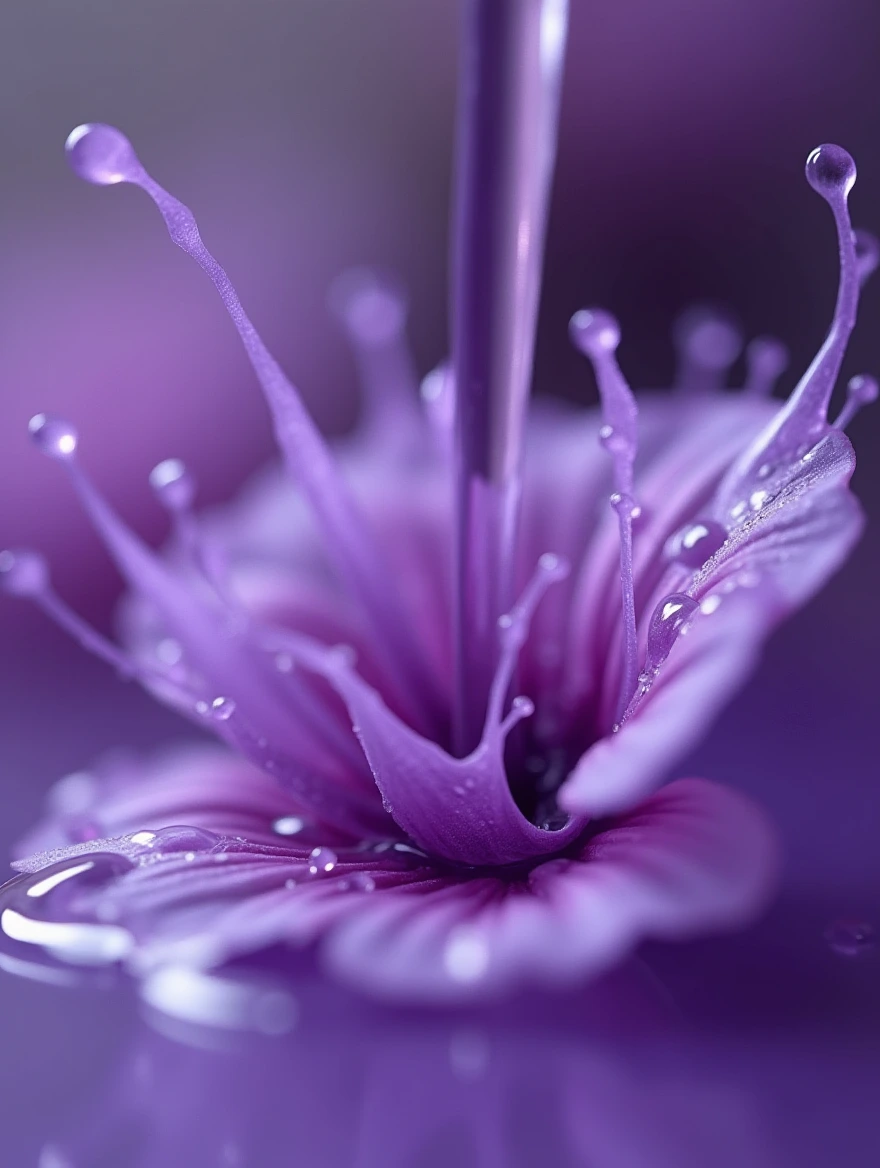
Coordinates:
(448, 679)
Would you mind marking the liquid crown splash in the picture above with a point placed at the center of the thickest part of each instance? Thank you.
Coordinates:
(482, 694)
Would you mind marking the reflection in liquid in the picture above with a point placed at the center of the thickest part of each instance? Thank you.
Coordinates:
(538, 1084)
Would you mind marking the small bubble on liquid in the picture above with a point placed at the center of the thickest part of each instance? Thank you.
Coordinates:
(288, 825)
(53, 436)
(23, 573)
(322, 861)
(850, 937)
(172, 484)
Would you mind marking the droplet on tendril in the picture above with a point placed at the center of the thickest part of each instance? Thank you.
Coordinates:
(172, 484)
(709, 337)
(594, 331)
(53, 436)
(830, 170)
(370, 305)
(101, 154)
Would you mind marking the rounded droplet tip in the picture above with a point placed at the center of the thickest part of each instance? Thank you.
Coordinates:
(23, 573)
(863, 388)
(594, 331)
(768, 355)
(53, 436)
(830, 171)
(172, 484)
(709, 337)
(370, 305)
(101, 154)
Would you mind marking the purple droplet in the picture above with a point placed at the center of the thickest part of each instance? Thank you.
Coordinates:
(710, 338)
(222, 709)
(668, 619)
(693, 545)
(831, 171)
(178, 838)
(101, 154)
(23, 573)
(370, 305)
(53, 436)
(766, 358)
(862, 388)
(322, 861)
(625, 505)
(594, 331)
(362, 882)
(172, 484)
(850, 937)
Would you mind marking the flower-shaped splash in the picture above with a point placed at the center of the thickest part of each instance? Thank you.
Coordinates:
(449, 677)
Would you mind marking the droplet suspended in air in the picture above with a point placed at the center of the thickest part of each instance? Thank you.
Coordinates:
(696, 543)
(101, 154)
(830, 170)
(23, 573)
(53, 436)
(172, 484)
(850, 937)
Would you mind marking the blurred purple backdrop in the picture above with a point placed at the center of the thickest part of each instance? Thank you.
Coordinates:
(312, 135)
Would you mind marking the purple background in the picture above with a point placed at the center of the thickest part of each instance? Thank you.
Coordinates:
(317, 133)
